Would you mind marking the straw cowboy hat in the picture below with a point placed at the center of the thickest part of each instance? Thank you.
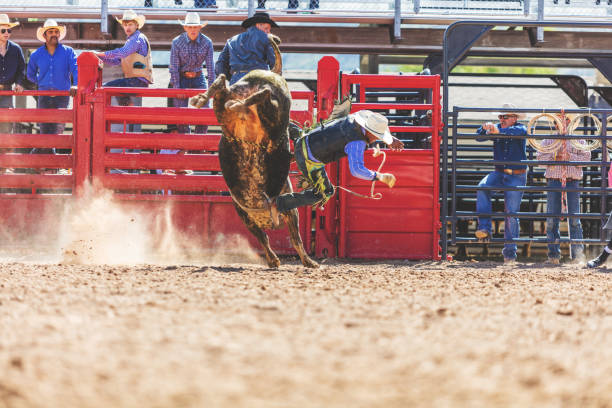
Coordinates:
(374, 123)
(192, 20)
(130, 15)
(510, 109)
(49, 24)
(259, 17)
(4, 20)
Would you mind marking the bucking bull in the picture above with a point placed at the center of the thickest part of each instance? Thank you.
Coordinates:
(254, 148)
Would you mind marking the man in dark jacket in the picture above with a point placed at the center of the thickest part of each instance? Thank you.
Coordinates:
(249, 50)
(349, 136)
(12, 67)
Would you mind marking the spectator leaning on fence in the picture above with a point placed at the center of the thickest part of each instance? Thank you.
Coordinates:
(554, 178)
(134, 56)
(187, 54)
(12, 68)
(505, 175)
(249, 50)
(349, 136)
(52, 67)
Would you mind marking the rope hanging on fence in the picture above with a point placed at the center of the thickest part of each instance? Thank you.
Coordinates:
(591, 144)
(553, 123)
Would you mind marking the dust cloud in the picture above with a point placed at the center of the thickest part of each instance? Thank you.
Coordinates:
(97, 229)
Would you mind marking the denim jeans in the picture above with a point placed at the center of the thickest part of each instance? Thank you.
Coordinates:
(553, 205)
(196, 83)
(6, 101)
(51, 102)
(310, 196)
(512, 204)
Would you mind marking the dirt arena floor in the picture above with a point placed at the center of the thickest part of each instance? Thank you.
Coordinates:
(346, 335)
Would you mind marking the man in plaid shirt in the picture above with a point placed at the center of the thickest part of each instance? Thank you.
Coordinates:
(187, 54)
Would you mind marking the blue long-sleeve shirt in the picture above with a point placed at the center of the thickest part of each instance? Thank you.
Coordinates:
(137, 42)
(507, 149)
(187, 55)
(53, 72)
(12, 65)
(245, 52)
(355, 151)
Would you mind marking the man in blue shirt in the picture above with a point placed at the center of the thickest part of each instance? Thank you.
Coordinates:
(513, 175)
(349, 136)
(247, 51)
(53, 67)
(12, 67)
(187, 54)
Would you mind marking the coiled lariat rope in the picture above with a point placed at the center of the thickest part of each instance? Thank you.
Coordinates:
(377, 152)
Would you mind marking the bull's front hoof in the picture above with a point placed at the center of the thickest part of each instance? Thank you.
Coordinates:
(309, 263)
(198, 101)
(273, 262)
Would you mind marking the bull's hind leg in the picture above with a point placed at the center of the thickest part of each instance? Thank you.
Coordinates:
(292, 221)
(262, 237)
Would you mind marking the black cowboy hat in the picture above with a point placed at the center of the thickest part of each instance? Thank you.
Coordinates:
(259, 17)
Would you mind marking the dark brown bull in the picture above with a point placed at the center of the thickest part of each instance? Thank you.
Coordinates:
(254, 149)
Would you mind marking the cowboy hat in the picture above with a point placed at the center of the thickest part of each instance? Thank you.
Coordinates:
(259, 17)
(192, 20)
(4, 20)
(510, 109)
(374, 123)
(130, 15)
(49, 24)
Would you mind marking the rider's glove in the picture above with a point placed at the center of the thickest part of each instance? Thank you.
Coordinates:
(387, 178)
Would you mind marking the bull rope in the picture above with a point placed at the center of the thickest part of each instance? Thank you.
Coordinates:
(377, 152)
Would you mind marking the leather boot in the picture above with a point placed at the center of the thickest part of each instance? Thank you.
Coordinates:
(600, 260)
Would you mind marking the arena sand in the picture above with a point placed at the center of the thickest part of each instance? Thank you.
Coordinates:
(78, 332)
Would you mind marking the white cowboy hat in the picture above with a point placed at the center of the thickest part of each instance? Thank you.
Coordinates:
(374, 123)
(49, 24)
(130, 15)
(192, 20)
(4, 20)
(510, 109)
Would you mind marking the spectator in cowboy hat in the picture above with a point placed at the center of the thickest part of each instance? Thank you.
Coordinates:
(505, 175)
(188, 52)
(348, 136)
(52, 67)
(12, 67)
(249, 50)
(134, 56)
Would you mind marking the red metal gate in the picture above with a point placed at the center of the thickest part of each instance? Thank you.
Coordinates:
(405, 223)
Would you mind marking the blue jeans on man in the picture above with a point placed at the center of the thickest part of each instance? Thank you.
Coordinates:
(125, 100)
(51, 102)
(196, 83)
(553, 206)
(512, 204)
(6, 101)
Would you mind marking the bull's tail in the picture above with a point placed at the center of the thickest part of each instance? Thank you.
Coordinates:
(278, 63)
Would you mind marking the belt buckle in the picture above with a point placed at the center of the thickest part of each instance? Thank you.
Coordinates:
(189, 74)
(508, 171)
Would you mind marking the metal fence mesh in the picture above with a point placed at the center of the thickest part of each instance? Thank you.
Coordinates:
(455, 8)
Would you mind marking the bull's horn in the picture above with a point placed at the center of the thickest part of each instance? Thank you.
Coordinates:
(278, 59)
